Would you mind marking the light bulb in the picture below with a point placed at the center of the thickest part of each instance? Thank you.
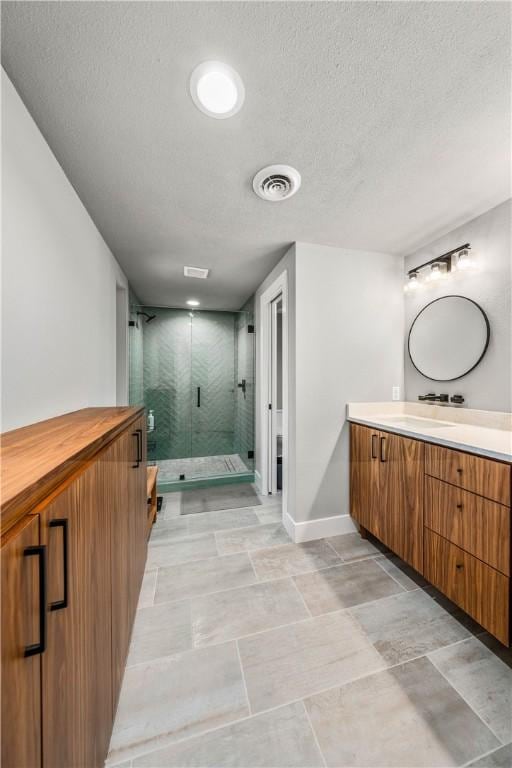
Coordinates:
(465, 260)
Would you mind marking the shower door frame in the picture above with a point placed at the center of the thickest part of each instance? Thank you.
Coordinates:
(278, 288)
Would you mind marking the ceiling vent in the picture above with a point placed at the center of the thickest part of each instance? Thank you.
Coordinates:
(199, 272)
(276, 183)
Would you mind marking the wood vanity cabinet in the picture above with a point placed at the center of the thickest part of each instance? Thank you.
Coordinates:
(386, 476)
(445, 512)
(90, 533)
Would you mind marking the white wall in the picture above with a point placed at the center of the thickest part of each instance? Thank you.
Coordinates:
(489, 385)
(58, 283)
(349, 347)
(345, 326)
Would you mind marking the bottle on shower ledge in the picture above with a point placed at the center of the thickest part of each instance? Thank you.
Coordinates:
(151, 421)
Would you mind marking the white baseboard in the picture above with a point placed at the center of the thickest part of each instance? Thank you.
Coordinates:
(318, 529)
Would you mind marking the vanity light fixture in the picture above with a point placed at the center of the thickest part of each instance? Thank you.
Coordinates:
(413, 281)
(465, 260)
(439, 266)
(216, 89)
(193, 302)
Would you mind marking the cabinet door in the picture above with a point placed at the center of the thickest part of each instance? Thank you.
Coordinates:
(119, 460)
(21, 674)
(364, 476)
(138, 506)
(77, 666)
(401, 497)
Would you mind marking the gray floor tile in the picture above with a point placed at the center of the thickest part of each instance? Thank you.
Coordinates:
(127, 764)
(291, 559)
(350, 546)
(204, 576)
(169, 530)
(171, 505)
(344, 586)
(220, 521)
(408, 625)
(179, 696)
(454, 610)
(245, 539)
(401, 572)
(482, 679)
(500, 758)
(160, 630)
(239, 612)
(270, 514)
(281, 738)
(147, 590)
(291, 662)
(405, 716)
(183, 550)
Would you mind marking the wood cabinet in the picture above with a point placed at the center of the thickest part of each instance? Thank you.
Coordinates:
(23, 589)
(477, 588)
(58, 705)
(386, 483)
(445, 512)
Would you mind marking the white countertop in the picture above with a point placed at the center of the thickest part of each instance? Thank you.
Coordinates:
(486, 433)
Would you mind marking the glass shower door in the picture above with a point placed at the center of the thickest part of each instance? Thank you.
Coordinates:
(213, 389)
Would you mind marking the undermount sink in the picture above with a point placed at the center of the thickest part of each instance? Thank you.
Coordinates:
(416, 423)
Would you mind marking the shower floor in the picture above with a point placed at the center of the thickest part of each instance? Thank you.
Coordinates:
(169, 470)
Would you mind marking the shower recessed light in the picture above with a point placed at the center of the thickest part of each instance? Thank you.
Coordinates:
(216, 89)
(193, 303)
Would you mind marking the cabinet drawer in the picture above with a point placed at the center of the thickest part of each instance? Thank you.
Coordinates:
(483, 476)
(477, 588)
(477, 525)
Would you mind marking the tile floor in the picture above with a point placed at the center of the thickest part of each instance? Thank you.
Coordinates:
(248, 650)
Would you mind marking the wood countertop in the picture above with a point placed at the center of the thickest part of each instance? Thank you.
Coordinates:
(36, 459)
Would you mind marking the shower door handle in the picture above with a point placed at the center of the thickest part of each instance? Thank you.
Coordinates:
(199, 397)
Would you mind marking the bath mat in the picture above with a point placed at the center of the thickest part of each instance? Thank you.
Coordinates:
(218, 497)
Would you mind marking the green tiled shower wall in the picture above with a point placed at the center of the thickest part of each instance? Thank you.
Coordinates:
(182, 351)
(135, 361)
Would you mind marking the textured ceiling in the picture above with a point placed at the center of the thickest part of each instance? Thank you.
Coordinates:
(396, 114)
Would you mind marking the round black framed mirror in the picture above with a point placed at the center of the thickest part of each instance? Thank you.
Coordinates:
(448, 338)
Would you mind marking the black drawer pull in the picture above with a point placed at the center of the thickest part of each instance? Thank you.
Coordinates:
(199, 397)
(459, 506)
(459, 566)
(58, 605)
(383, 456)
(137, 435)
(459, 470)
(139, 445)
(39, 551)
(374, 446)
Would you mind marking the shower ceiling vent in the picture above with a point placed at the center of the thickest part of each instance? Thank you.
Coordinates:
(199, 272)
(276, 183)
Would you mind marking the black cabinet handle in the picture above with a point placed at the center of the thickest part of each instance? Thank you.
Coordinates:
(137, 435)
(199, 397)
(383, 456)
(58, 605)
(374, 446)
(139, 445)
(39, 551)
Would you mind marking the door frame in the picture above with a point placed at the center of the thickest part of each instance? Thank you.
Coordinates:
(278, 287)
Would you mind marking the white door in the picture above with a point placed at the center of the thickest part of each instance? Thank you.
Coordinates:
(275, 410)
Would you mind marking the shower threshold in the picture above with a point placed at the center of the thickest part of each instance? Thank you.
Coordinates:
(175, 474)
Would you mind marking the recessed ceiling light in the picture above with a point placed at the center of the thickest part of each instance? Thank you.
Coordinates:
(216, 89)
(193, 303)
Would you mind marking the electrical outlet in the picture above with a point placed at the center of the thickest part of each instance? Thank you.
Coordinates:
(396, 393)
